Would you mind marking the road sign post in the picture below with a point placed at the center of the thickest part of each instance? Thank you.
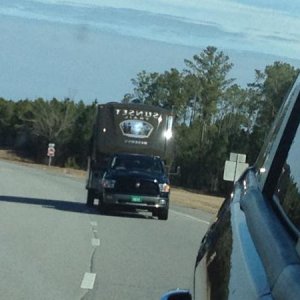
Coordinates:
(50, 153)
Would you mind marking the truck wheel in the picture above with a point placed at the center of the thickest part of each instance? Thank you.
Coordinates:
(90, 198)
(162, 213)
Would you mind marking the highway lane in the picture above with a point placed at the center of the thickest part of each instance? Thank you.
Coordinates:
(44, 241)
(53, 247)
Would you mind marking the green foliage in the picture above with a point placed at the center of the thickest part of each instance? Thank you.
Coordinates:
(269, 91)
(207, 74)
(6, 114)
(80, 134)
(274, 84)
(52, 120)
(71, 163)
(165, 90)
(28, 127)
(213, 117)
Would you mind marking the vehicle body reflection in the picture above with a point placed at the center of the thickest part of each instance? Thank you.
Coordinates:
(252, 250)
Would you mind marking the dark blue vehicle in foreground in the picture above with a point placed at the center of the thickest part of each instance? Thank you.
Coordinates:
(252, 250)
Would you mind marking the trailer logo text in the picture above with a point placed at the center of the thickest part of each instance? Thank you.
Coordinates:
(138, 114)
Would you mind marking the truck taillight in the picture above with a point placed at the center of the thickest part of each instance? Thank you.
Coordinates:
(164, 188)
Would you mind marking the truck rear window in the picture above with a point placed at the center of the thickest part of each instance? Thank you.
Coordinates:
(139, 163)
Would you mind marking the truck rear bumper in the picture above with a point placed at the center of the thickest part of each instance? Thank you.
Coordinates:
(137, 201)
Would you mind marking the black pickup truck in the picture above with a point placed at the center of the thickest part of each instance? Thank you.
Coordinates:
(130, 151)
(136, 181)
(252, 250)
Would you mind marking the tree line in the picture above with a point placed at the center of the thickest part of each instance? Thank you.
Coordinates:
(28, 126)
(213, 117)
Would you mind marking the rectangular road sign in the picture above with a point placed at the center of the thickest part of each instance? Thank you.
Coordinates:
(233, 170)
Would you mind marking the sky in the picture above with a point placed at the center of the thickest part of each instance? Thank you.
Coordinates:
(90, 50)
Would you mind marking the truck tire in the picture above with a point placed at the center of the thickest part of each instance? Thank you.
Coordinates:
(163, 213)
(90, 198)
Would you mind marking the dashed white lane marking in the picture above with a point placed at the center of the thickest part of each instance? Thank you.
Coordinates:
(190, 217)
(88, 281)
(95, 242)
(94, 224)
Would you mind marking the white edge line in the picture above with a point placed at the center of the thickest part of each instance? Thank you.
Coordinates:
(88, 281)
(190, 217)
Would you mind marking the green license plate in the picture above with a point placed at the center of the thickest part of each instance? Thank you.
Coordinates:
(136, 199)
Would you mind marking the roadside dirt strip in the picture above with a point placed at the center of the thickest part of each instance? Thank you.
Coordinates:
(185, 198)
(179, 196)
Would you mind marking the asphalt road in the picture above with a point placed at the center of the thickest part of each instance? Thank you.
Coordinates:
(53, 247)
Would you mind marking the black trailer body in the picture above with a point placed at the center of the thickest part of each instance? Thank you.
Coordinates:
(130, 129)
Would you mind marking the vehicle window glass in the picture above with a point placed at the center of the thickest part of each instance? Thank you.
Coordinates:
(137, 163)
(288, 188)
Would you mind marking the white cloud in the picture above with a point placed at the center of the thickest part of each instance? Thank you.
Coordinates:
(264, 29)
(231, 15)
